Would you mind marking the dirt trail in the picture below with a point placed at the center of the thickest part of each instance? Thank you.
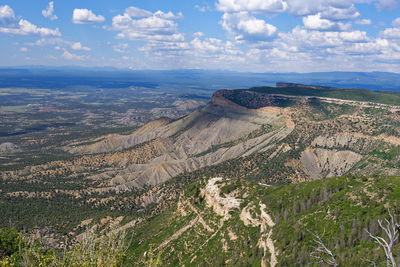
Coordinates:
(178, 233)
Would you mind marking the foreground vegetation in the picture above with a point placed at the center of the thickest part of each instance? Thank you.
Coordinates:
(338, 210)
(94, 249)
(343, 213)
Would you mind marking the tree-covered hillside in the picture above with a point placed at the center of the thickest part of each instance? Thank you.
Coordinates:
(205, 230)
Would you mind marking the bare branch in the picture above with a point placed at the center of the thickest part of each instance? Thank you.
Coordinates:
(320, 252)
(391, 230)
(370, 262)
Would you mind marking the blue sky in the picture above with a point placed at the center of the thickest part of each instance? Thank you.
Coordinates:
(240, 35)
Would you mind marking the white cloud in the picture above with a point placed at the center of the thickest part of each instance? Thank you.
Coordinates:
(49, 41)
(244, 27)
(49, 11)
(213, 46)
(307, 50)
(364, 22)
(396, 22)
(157, 31)
(137, 12)
(387, 4)
(198, 34)
(318, 43)
(23, 49)
(267, 6)
(203, 8)
(373, 48)
(143, 28)
(120, 48)
(24, 27)
(9, 24)
(329, 9)
(168, 15)
(203, 52)
(315, 22)
(391, 33)
(85, 16)
(70, 56)
(340, 12)
(6, 12)
(157, 26)
(354, 36)
(78, 46)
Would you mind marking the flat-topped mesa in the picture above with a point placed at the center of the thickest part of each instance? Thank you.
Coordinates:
(249, 99)
(287, 85)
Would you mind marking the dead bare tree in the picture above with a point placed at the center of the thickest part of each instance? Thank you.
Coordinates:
(391, 231)
(372, 263)
(320, 251)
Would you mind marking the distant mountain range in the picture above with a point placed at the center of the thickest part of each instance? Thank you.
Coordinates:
(212, 80)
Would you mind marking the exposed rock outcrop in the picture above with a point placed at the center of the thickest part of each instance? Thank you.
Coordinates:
(9, 148)
(220, 205)
(320, 163)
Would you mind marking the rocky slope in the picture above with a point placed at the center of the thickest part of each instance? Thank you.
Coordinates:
(332, 137)
(264, 137)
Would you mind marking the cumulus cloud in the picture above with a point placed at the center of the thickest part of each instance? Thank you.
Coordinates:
(363, 22)
(158, 32)
(6, 13)
(143, 28)
(198, 34)
(203, 8)
(135, 12)
(203, 51)
(351, 50)
(120, 48)
(354, 36)
(315, 22)
(150, 26)
(242, 19)
(320, 43)
(266, 6)
(10, 24)
(387, 4)
(24, 27)
(23, 49)
(245, 27)
(391, 33)
(329, 9)
(70, 56)
(50, 41)
(85, 16)
(396, 22)
(49, 11)
(214, 51)
(78, 46)
(213, 46)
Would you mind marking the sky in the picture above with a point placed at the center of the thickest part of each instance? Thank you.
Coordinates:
(237, 35)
